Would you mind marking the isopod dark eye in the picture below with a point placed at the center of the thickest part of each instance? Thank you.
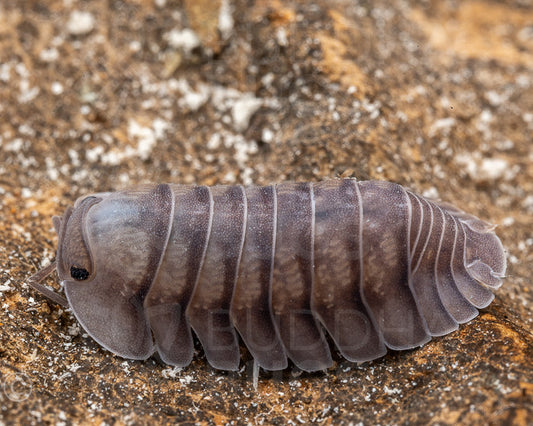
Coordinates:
(79, 274)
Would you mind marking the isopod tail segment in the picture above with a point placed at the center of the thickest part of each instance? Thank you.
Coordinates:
(370, 264)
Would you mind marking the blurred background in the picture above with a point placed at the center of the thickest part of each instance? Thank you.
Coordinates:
(105, 94)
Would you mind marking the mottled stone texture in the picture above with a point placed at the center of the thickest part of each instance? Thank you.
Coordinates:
(434, 95)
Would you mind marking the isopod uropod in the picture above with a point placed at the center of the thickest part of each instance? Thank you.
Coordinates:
(370, 263)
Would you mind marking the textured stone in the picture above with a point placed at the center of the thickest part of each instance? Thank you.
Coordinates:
(424, 94)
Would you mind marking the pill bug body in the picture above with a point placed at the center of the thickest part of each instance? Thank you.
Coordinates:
(372, 264)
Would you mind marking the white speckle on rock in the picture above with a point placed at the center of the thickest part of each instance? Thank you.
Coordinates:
(214, 141)
(493, 168)
(505, 145)
(486, 116)
(51, 169)
(27, 93)
(135, 46)
(246, 176)
(495, 98)
(171, 372)
(431, 193)
(5, 72)
(160, 126)
(184, 40)
(267, 135)
(186, 380)
(528, 203)
(21, 70)
(372, 108)
(392, 391)
(80, 23)
(56, 88)
(6, 286)
(443, 125)
(26, 130)
(225, 20)
(192, 100)
(483, 123)
(281, 37)
(146, 137)
(268, 79)
(73, 330)
(229, 177)
(223, 98)
(74, 367)
(485, 169)
(15, 145)
(124, 178)
(74, 157)
(49, 55)
(508, 221)
(243, 110)
(243, 148)
(93, 154)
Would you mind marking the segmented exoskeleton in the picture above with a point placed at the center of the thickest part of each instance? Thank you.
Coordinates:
(370, 263)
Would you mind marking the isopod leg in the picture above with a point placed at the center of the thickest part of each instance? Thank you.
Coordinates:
(292, 280)
(424, 272)
(209, 308)
(458, 307)
(169, 296)
(336, 299)
(251, 308)
(385, 285)
(473, 291)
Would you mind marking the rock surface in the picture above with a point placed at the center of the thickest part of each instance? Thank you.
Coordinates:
(434, 95)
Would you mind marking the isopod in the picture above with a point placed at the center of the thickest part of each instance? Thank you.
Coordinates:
(371, 264)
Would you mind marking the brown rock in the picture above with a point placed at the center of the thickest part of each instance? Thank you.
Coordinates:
(419, 93)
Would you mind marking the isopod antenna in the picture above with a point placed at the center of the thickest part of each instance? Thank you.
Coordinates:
(35, 282)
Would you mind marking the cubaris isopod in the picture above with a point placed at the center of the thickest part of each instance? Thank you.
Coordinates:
(370, 263)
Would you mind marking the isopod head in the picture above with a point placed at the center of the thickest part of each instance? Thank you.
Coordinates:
(108, 252)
